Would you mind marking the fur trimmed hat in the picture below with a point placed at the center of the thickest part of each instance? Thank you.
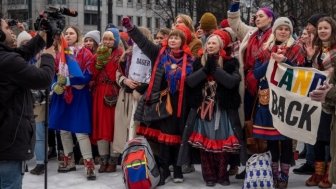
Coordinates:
(225, 37)
(186, 31)
(94, 34)
(23, 36)
(208, 21)
(282, 21)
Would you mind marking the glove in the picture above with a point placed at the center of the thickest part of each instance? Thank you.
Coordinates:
(58, 89)
(127, 23)
(211, 64)
(234, 7)
(61, 80)
(50, 29)
(142, 88)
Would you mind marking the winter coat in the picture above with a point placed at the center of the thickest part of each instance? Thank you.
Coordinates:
(329, 106)
(227, 94)
(17, 124)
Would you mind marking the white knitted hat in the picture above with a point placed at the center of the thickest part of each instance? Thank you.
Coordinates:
(23, 36)
(94, 34)
(282, 21)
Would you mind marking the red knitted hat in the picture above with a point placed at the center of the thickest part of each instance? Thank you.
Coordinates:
(225, 36)
(124, 36)
(186, 31)
(224, 23)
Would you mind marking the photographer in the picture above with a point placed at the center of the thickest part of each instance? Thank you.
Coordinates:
(17, 125)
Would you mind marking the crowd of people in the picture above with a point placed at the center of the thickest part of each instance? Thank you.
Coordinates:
(213, 75)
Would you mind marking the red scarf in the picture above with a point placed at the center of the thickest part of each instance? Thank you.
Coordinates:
(183, 76)
(254, 47)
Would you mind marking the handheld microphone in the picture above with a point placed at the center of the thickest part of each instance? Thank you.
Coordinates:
(68, 12)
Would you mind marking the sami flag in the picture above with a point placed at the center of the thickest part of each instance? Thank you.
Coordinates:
(68, 63)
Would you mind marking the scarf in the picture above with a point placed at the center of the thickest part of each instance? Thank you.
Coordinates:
(159, 61)
(84, 58)
(254, 47)
(173, 75)
(295, 54)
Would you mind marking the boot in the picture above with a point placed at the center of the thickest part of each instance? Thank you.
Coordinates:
(60, 155)
(38, 170)
(178, 176)
(283, 180)
(233, 170)
(111, 165)
(325, 182)
(103, 163)
(164, 175)
(275, 172)
(90, 169)
(68, 164)
(315, 179)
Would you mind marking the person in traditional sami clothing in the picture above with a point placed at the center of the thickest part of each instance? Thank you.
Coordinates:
(215, 94)
(70, 110)
(323, 58)
(252, 40)
(104, 85)
(280, 47)
(174, 60)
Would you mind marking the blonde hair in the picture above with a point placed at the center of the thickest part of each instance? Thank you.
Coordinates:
(108, 35)
(271, 42)
(146, 32)
(186, 21)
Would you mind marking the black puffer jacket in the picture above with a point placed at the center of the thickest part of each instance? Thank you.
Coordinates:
(17, 77)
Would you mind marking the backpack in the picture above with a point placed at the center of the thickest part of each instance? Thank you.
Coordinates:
(259, 172)
(138, 164)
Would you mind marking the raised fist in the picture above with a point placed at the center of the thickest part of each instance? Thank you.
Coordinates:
(127, 23)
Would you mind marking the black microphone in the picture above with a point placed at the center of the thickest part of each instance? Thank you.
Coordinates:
(68, 12)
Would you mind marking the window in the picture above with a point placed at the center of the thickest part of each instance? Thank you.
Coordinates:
(149, 22)
(139, 1)
(130, 3)
(157, 23)
(16, 2)
(92, 2)
(157, 2)
(90, 18)
(119, 3)
(148, 2)
(119, 17)
(56, 1)
(139, 21)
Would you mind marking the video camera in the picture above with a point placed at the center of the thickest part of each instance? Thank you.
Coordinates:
(52, 21)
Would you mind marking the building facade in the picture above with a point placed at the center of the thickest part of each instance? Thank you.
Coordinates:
(142, 12)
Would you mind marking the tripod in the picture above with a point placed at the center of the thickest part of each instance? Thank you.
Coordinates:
(46, 126)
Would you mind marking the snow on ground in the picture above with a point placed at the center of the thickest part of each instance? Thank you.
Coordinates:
(77, 180)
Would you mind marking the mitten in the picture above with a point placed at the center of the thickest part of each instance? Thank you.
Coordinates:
(127, 23)
(61, 80)
(234, 7)
(58, 89)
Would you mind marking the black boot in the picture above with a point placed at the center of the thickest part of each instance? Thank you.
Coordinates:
(164, 175)
(241, 175)
(178, 176)
(38, 170)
